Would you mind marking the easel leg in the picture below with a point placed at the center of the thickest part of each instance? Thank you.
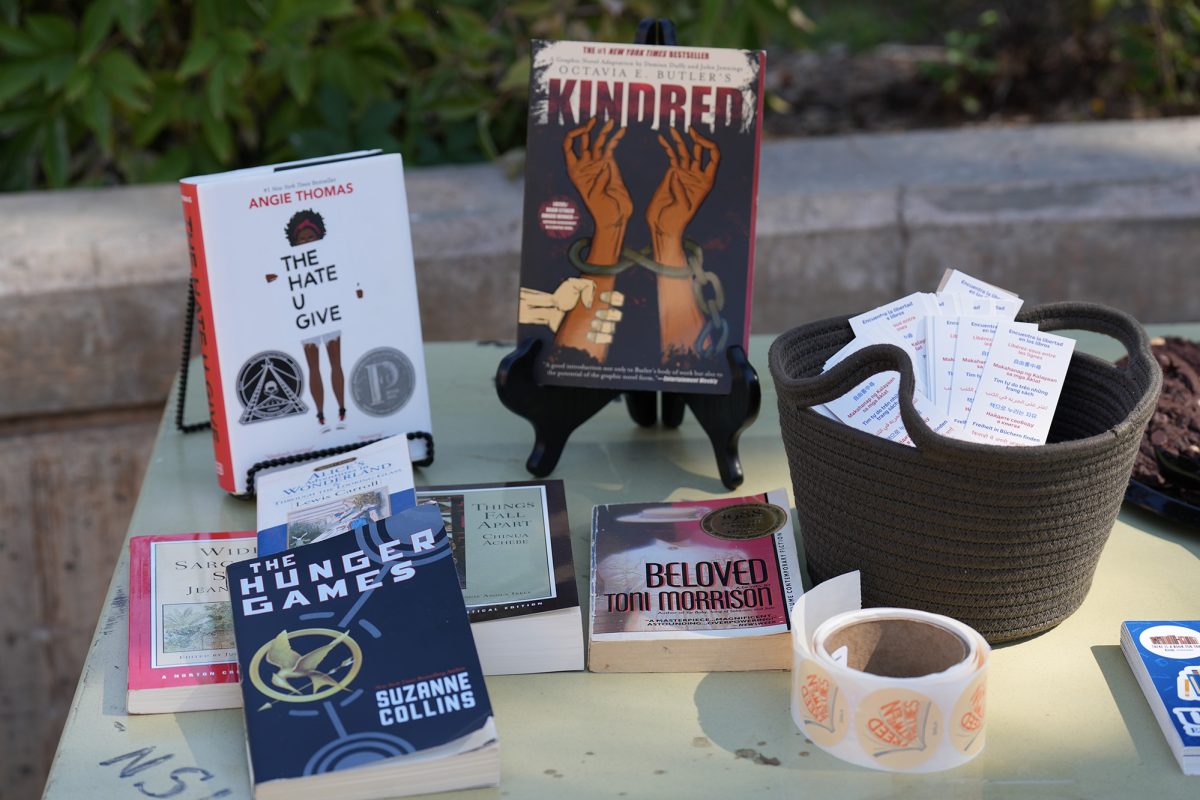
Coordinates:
(554, 411)
(643, 407)
(672, 409)
(725, 416)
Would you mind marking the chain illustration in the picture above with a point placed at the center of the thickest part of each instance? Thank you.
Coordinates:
(707, 290)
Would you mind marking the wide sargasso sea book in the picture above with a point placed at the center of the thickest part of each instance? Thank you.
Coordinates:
(306, 308)
(641, 182)
(181, 648)
(696, 586)
(1165, 658)
(359, 675)
(318, 499)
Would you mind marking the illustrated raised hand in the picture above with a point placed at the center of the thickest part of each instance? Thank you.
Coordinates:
(686, 183)
(594, 173)
(683, 188)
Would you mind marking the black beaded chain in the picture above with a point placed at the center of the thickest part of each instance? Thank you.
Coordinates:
(189, 319)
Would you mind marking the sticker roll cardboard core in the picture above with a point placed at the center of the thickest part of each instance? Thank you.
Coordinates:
(897, 648)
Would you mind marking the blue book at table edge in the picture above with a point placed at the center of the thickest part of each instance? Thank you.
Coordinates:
(360, 677)
(1165, 658)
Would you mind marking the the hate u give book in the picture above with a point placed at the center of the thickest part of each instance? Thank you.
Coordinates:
(306, 308)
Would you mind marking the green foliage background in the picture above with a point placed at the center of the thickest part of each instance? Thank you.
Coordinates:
(127, 91)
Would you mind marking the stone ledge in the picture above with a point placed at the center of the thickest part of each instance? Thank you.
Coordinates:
(92, 281)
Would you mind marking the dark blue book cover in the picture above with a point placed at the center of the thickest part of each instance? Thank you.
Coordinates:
(357, 649)
(1165, 657)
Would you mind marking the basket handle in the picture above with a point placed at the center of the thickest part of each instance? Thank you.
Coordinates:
(859, 366)
(1095, 318)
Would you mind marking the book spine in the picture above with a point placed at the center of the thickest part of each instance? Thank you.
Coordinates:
(139, 613)
(208, 337)
(758, 123)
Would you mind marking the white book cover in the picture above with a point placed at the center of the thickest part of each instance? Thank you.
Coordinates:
(307, 308)
(318, 499)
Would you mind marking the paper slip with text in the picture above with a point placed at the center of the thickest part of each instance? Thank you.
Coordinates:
(969, 306)
(962, 283)
(971, 353)
(943, 335)
(903, 323)
(1020, 387)
(943, 339)
(942, 306)
(874, 404)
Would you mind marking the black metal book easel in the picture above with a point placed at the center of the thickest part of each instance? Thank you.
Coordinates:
(556, 411)
(189, 321)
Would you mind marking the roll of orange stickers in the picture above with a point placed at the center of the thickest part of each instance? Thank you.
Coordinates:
(912, 685)
(821, 707)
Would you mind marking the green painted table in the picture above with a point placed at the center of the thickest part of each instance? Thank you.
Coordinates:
(1066, 718)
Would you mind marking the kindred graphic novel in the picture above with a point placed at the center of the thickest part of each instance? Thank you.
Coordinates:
(640, 190)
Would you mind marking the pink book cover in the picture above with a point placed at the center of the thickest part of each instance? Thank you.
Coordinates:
(180, 621)
(718, 567)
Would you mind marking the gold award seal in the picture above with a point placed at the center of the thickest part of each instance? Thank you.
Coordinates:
(744, 521)
(899, 728)
(294, 677)
(822, 705)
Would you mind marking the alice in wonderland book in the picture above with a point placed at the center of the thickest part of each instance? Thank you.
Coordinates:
(318, 499)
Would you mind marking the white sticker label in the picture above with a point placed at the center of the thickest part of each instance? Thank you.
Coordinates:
(1171, 641)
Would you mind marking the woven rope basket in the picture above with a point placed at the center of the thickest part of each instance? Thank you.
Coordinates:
(1005, 539)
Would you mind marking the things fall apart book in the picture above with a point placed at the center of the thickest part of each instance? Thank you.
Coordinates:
(512, 549)
(641, 182)
(511, 544)
(693, 586)
(359, 675)
(306, 308)
(181, 646)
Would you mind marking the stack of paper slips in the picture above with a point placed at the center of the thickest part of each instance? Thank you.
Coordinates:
(980, 376)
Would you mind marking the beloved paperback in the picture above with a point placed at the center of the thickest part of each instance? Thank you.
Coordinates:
(1165, 657)
(360, 678)
(306, 308)
(181, 648)
(693, 586)
(640, 188)
(318, 499)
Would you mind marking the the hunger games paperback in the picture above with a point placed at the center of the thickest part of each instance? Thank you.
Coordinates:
(359, 675)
